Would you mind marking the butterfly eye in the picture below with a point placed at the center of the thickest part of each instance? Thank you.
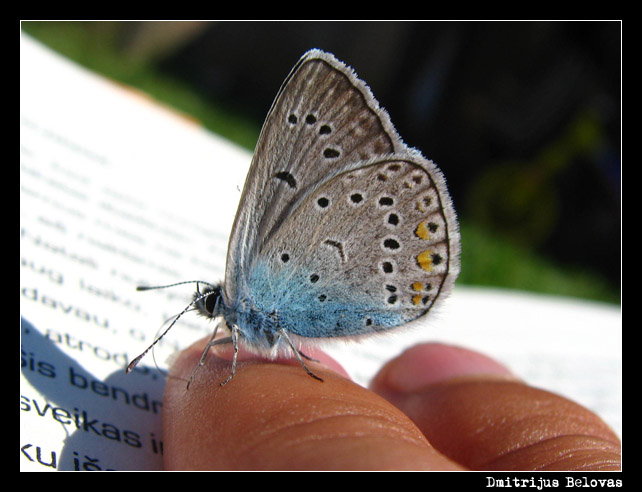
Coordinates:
(211, 300)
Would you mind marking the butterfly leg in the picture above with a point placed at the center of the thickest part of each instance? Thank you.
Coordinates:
(298, 355)
(209, 345)
(235, 343)
(305, 356)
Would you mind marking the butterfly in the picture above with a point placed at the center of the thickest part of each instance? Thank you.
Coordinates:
(342, 229)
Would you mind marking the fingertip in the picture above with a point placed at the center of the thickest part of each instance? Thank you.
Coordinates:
(273, 416)
(423, 365)
(475, 411)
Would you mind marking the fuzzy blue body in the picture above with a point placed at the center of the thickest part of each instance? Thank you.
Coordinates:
(285, 299)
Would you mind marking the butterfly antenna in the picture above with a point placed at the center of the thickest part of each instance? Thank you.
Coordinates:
(135, 362)
(146, 287)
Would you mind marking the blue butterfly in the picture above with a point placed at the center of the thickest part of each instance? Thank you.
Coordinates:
(342, 230)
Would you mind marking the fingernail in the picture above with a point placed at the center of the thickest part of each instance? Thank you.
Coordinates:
(427, 364)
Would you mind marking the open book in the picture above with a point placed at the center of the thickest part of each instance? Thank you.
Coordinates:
(117, 191)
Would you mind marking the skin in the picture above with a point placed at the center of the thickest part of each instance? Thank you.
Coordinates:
(435, 407)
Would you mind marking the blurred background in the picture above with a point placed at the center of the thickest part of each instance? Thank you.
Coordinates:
(524, 118)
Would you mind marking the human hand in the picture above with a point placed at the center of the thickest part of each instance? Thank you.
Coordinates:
(435, 407)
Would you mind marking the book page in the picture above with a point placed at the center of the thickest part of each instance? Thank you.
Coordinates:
(116, 192)
(119, 191)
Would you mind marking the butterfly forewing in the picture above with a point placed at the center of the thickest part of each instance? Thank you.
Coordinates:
(323, 120)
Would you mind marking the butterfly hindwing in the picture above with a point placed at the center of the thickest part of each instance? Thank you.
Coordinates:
(365, 250)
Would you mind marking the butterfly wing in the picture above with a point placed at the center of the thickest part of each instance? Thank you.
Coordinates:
(366, 250)
(323, 119)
